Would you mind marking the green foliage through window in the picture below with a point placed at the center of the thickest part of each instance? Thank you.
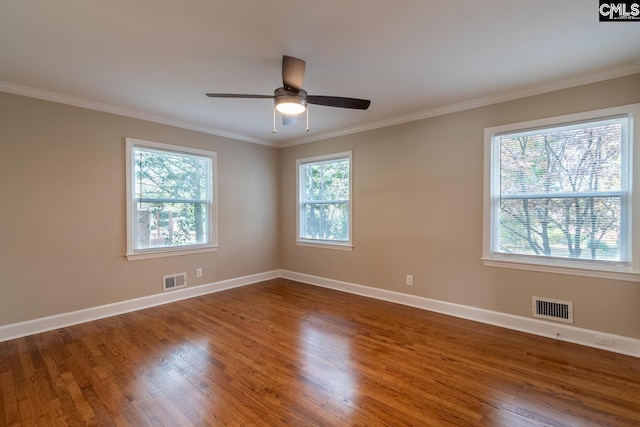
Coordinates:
(325, 199)
(172, 198)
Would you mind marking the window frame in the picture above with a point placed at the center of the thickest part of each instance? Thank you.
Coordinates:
(628, 271)
(134, 253)
(345, 245)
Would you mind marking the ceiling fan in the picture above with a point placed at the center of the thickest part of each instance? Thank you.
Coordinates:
(291, 100)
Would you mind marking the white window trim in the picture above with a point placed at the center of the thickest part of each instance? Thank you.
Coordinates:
(615, 271)
(325, 244)
(133, 254)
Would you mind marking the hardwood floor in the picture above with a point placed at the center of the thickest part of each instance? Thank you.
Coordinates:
(286, 353)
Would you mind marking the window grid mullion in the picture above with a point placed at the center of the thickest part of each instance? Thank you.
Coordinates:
(326, 202)
(576, 195)
(170, 200)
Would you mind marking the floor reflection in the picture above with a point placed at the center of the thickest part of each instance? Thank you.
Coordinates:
(326, 361)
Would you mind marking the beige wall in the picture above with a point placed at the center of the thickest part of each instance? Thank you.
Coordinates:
(417, 210)
(62, 214)
(417, 203)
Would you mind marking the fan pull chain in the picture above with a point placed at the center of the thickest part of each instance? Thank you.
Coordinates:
(274, 120)
(307, 118)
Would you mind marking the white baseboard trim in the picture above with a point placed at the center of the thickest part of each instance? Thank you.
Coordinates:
(43, 324)
(623, 345)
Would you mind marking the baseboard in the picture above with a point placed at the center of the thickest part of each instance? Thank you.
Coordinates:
(623, 345)
(49, 323)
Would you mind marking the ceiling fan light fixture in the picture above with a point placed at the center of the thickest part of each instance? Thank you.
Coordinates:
(290, 104)
(290, 108)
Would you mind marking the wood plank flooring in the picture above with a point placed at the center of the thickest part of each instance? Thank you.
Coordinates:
(286, 353)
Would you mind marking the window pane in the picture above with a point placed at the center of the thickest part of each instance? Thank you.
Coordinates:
(585, 158)
(170, 224)
(171, 200)
(559, 194)
(324, 210)
(327, 180)
(326, 221)
(562, 191)
(166, 175)
(581, 228)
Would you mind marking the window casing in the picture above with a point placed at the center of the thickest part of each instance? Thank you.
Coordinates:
(559, 195)
(171, 207)
(324, 215)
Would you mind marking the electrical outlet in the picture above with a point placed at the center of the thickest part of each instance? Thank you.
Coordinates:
(409, 280)
(606, 341)
(198, 272)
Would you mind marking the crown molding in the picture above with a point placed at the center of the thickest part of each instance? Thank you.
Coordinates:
(583, 79)
(122, 111)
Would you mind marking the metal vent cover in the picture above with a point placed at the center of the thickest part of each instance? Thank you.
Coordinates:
(552, 309)
(174, 281)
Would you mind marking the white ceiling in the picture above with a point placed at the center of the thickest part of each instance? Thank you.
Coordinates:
(155, 59)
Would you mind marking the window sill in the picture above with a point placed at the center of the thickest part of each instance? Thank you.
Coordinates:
(168, 252)
(325, 245)
(563, 267)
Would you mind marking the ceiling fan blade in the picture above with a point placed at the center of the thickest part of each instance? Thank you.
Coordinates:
(237, 95)
(338, 101)
(289, 120)
(292, 72)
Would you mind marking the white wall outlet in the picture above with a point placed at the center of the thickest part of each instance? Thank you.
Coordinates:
(409, 280)
(198, 272)
(605, 340)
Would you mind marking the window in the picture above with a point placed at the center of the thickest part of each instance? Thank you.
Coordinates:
(324, 201)
(170, 199)
(558, 194)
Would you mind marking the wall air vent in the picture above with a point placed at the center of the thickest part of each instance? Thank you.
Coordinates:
(561, 311)
(174, 281)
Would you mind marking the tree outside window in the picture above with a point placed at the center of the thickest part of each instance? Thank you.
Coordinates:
(171, 202)
(562, 191)
(324, 187)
